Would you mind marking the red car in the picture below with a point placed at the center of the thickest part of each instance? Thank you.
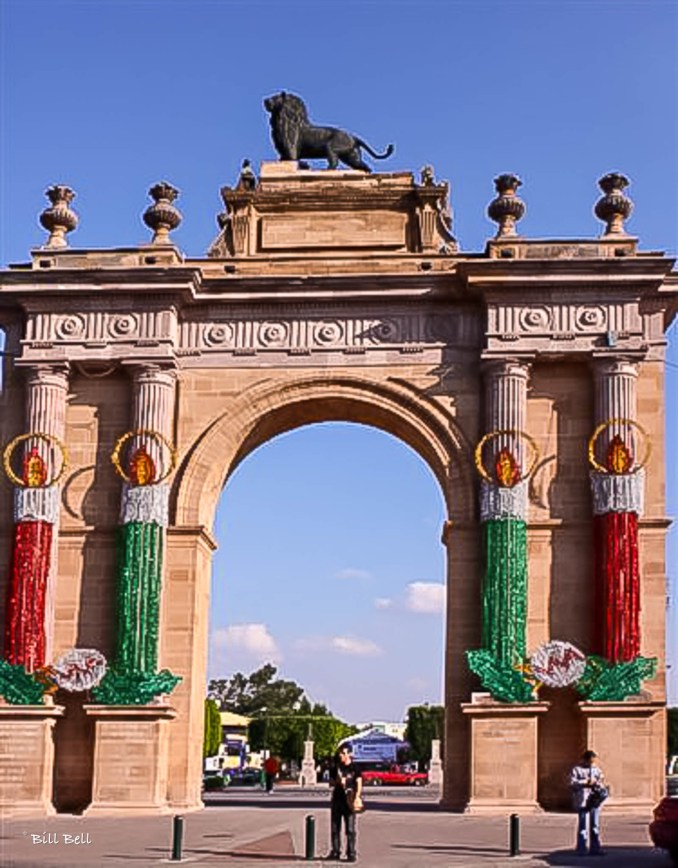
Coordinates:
(394, 776)
(664, 827)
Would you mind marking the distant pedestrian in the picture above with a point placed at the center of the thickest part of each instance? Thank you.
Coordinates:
(588, 794)
(346, 781)
(271, 768)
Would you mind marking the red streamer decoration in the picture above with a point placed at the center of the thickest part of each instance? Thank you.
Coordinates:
(25, 625)
(618, 584)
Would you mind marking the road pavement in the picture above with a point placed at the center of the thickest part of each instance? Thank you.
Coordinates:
(245, 827)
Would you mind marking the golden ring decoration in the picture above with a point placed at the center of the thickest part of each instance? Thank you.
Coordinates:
(647, 445)
(143, 432)
(493, 435)
(51, 440)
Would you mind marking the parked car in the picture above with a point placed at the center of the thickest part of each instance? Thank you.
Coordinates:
(245, 777)
(393, 776)
(664, 827)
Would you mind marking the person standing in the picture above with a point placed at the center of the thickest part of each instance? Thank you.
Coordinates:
(346, 782)
(271, 768)
(588, 794)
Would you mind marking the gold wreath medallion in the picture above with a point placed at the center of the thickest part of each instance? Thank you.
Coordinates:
(143, 432)
(51, 440)
(493, 435)
(593, 440)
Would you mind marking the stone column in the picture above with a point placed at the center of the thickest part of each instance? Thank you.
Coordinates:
(154, 395)
(615, 389)
(309, 776)
(506, 395)
(503, 725)
(29, 625)
(435, 769)
(128, 780)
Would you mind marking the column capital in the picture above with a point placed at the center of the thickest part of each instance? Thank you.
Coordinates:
(152, 372)
(53, 374)
(609, 366)
(506, 367)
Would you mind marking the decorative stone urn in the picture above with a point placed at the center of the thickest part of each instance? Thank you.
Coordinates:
(507, 208)
(162, 217)
(59, 219)
(615, 206)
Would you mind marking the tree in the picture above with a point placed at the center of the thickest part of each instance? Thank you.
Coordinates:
(282, 713)
(672, 730)
(212, 737)
(424, 723)
(250, 694)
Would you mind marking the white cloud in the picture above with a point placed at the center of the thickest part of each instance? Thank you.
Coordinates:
(252, 640)
(339, 644)
(417, 684)
(425, 597)
(359, 647)
(383, 603)
(352, 573)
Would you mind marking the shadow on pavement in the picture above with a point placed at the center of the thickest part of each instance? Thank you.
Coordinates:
(615, 857)
(370, 804)
(452, 849)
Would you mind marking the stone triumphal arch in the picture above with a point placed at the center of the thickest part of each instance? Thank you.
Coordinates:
(529, 377)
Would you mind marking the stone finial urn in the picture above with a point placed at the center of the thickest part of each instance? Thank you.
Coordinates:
(615, 206)
(507, 208)
(162, 217)
(59, 218)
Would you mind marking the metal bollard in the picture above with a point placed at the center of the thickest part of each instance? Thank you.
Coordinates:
(514, 835)
(177, 838)
(310, 837)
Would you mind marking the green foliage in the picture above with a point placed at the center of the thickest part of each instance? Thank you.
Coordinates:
(603, 681)
(18, 687)
(134, 688)
(212, 737)
(424, 723)
(250, 694)
(283, 714)
(213, 782)
(672, 730)
(284, 735)
(504, 682)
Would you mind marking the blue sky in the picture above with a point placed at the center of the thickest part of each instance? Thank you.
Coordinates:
(110, 97)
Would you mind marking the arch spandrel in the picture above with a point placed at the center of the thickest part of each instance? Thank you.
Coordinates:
(269, 409)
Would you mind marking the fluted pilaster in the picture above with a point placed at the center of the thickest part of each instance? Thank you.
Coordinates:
(46, 390)
(506, 382)
(154, 397)
(615, 389)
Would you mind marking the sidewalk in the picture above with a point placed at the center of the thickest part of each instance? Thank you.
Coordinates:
(250, 829)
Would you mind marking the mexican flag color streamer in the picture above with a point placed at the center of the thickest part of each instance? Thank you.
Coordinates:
(36, 510)
(503, 513)
(617, 489)
(133, 678)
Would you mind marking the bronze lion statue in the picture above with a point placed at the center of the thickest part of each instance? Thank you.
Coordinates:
(296, 138)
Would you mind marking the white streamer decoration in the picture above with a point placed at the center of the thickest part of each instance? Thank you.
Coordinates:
(618, 492)
(557, 663)
(146, 503)
(497, 501)
(79, 669)
(37, 504)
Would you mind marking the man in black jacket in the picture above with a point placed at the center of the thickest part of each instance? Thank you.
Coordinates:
(346, 782)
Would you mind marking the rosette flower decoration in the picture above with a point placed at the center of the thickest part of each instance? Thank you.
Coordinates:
(43, 462)
(618, 452)
(503, 513)
(144, 459)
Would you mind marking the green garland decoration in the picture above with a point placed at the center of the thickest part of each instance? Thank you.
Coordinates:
(505, 591)
(18, 687)
(505, 683)
(139, 551)
(134, 688)
(604, 681)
